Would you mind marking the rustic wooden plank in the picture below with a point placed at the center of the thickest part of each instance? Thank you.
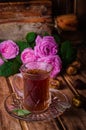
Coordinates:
(43, 125)
(26, 11)
(19, 2)
(74, 119)
(7, 122)
(19, 18)
(17, 31)
(44, 19)
(24, 125)
(80, 76)
(34, 11)
(10, 10)
(70, 117)
(83, 77)
(64, 88)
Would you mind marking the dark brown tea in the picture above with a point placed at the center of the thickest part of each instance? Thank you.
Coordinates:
(36, 90)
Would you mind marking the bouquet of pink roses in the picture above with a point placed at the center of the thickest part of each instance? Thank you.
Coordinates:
(45, 50)
(35, 48)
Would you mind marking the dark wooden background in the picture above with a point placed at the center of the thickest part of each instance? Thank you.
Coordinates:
(18, 18)
(59, 6)
(36, 15)
(62, 6)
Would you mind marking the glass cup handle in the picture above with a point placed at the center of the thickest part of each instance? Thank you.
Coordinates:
(16, 89)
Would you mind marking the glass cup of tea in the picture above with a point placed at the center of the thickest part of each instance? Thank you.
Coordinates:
(35, 91)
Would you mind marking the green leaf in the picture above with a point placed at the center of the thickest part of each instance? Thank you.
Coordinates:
(22, 45)
(21, 112)
(30, 37)
(67, 52)
(57, 38)
(15, 66)
(46, 34)
(18, 59)
(9, 68)
(1, 40)
(5, 69)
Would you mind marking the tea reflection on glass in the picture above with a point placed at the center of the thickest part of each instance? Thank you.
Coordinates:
(36, 77)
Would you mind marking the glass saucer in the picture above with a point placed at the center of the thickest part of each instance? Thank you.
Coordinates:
(59, 103)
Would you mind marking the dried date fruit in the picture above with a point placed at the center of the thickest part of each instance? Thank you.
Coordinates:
(76, 64)
(55, 83)
(76, 102)
(71, 70)
(79, 101)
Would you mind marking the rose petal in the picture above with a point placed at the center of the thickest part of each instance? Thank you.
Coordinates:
(9, 49)
(45, 46)
(28, 55)
(56, 63)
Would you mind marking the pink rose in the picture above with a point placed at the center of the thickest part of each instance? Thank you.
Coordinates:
(1, 62)
(56, 63)
(28, 55)
(9, 49)
(45, 46)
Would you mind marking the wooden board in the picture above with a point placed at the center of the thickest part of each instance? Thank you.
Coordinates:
(18, 18)
(6, 122)
(22, 11)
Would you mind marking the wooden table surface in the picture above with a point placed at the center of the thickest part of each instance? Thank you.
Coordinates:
(72, 119)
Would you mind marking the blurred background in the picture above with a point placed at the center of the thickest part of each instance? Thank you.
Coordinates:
(41, 15)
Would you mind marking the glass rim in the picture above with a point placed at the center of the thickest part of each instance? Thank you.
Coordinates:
(24, 68)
